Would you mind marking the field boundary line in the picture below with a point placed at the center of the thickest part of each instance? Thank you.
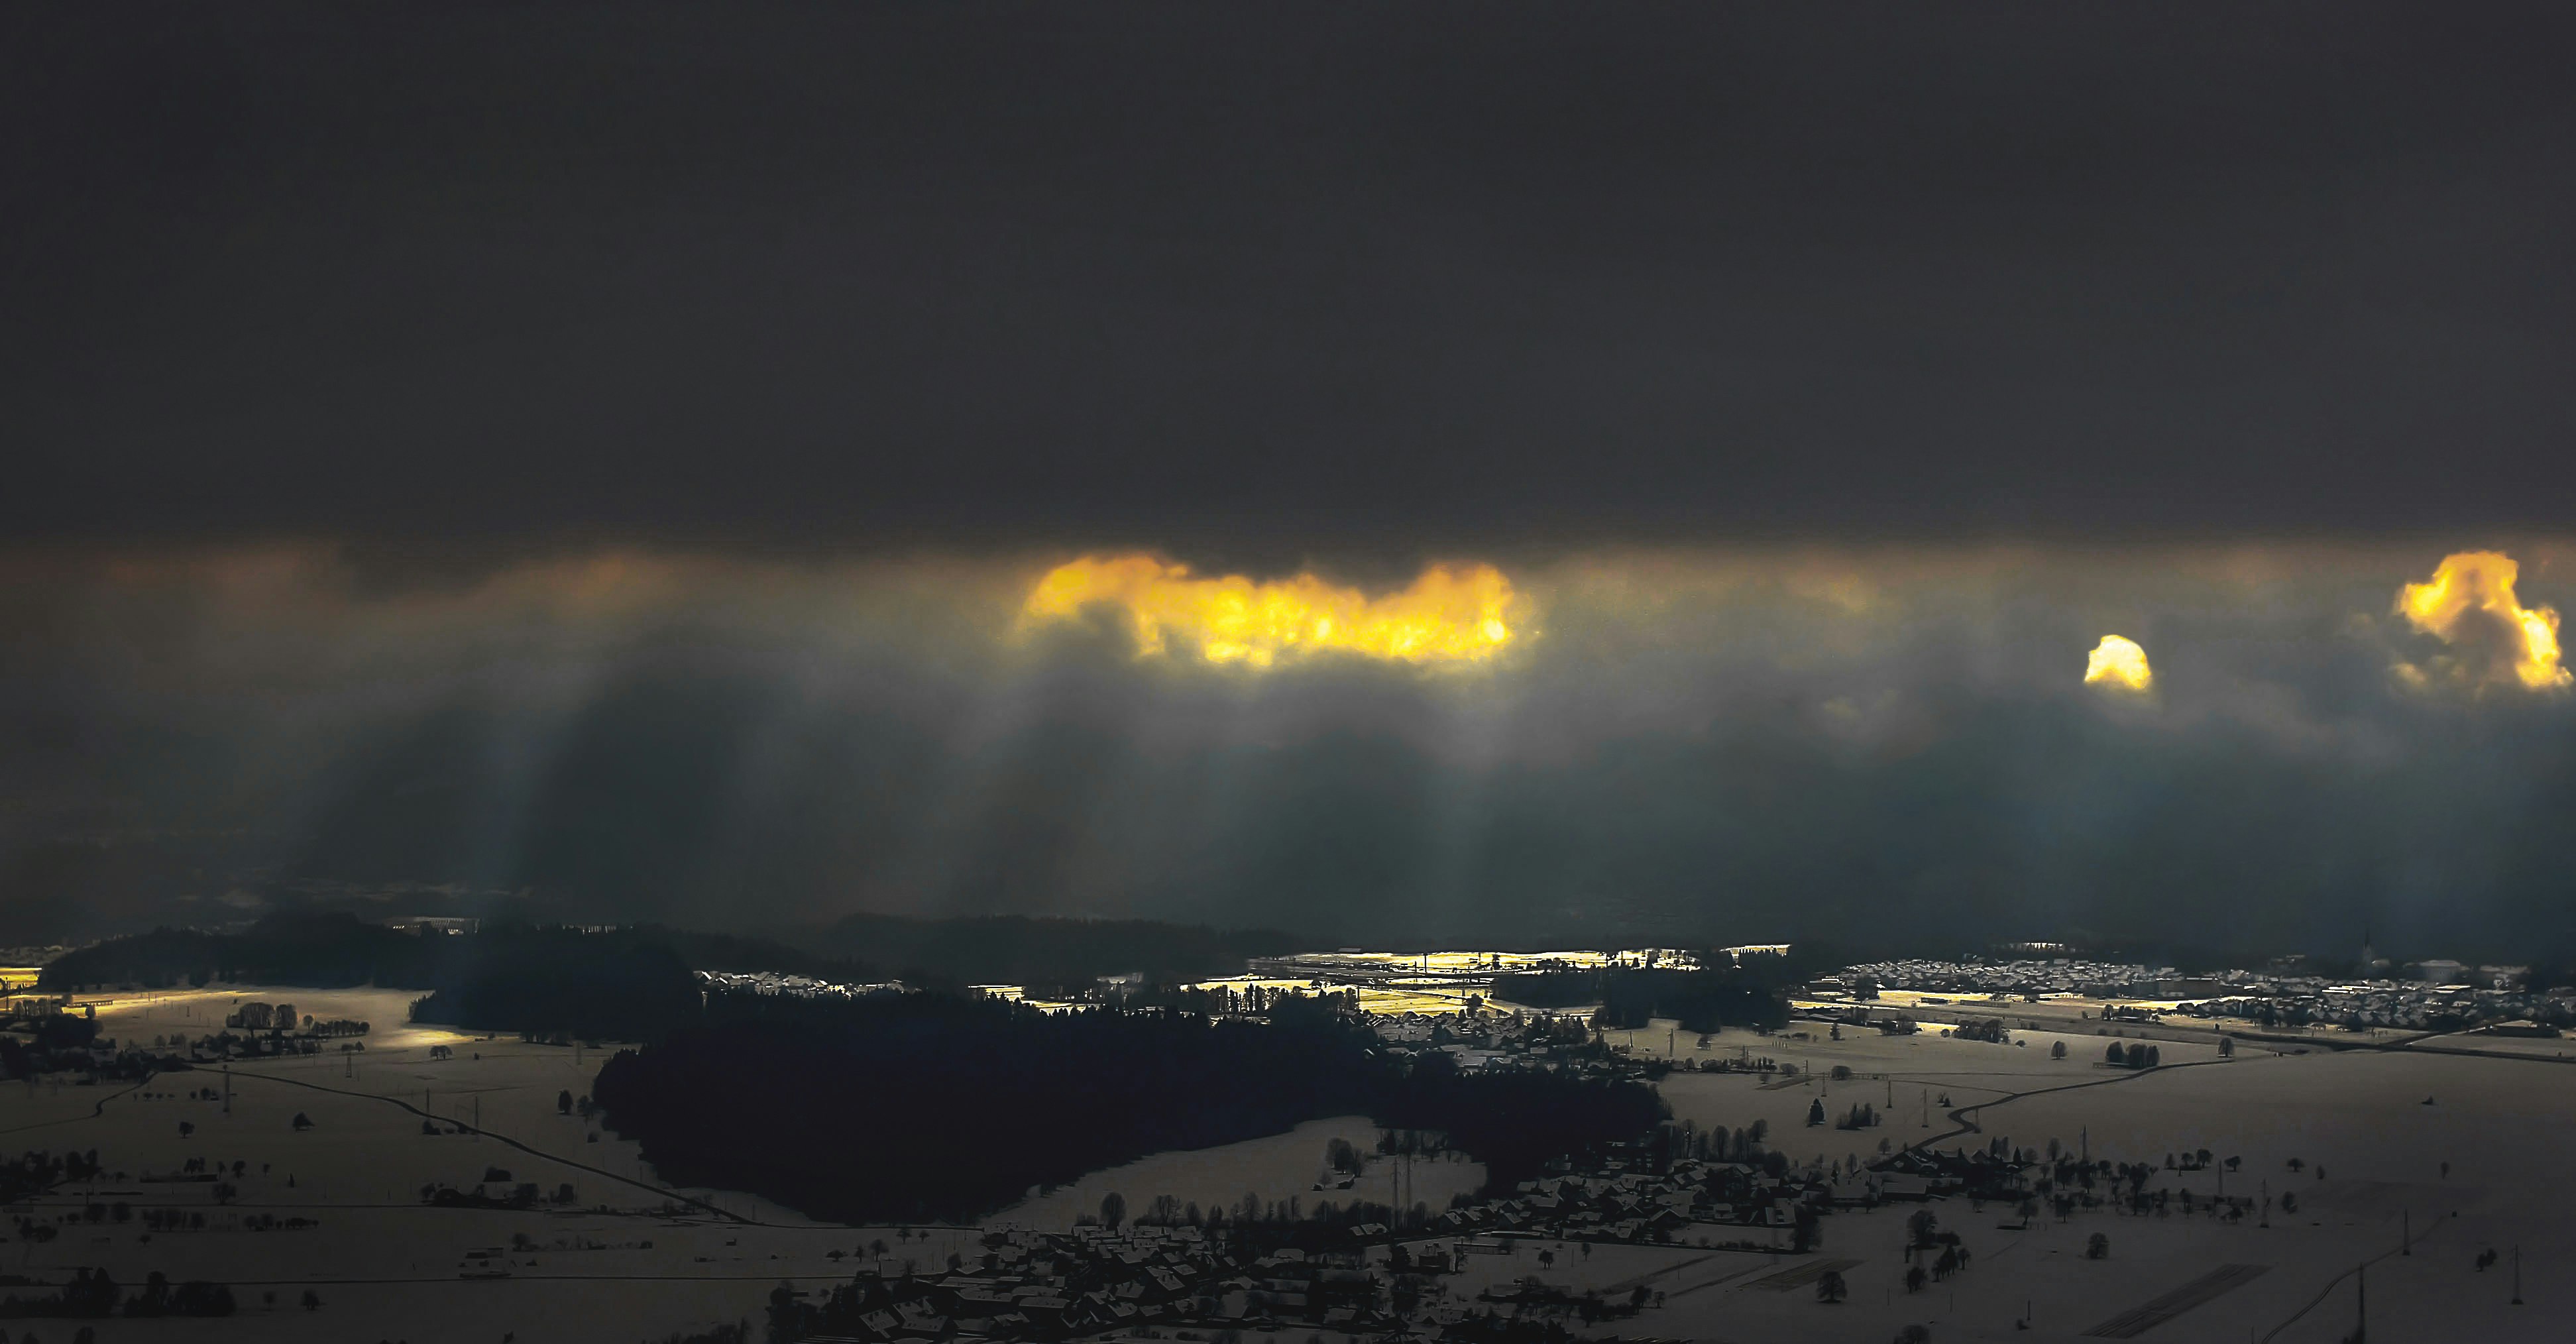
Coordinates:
(2329, 1287)
(2167, 1306)
(522, 1147)
(97, 1109)
(1968, 1126)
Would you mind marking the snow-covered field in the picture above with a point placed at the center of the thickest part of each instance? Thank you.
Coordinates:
(2362, 1116)
(386, 1266)
(1279, 1167)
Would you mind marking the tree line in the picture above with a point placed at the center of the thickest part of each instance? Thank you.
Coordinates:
(631, 981)
(938, 1106)
(1045, 954)
(1630, 997)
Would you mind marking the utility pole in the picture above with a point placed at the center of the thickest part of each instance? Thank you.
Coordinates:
(2361, 1318)
(2517, 1276)
(2405, 1231)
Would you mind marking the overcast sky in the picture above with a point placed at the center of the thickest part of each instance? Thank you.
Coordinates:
(1264, 282)
(606, 452)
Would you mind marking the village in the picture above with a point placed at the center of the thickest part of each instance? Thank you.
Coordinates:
(1338, 1269)
(2434, 995)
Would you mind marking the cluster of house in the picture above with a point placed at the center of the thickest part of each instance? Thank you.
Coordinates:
(1693, 1202)
(2029, 976)
(1032, 1285)
(1972, 1173)
(2405, 1005)
(777, 984)
(1367, 1280)
(2437, 994)
(1356, 966)
(1502, 1042)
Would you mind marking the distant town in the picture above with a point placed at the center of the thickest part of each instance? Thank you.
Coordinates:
(2430, 995)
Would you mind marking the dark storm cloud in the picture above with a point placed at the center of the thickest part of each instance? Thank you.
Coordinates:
(1265, 282)
(1866, 744)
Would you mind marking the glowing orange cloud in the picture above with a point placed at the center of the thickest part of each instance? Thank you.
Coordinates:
(1446, 616)
(2469, 602)
(2118, 662)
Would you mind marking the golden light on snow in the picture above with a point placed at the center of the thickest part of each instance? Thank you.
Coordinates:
(2470, 599)
(1464, 615)
(2118, 662)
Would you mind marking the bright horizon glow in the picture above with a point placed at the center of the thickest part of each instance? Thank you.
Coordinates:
(1445, 616)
